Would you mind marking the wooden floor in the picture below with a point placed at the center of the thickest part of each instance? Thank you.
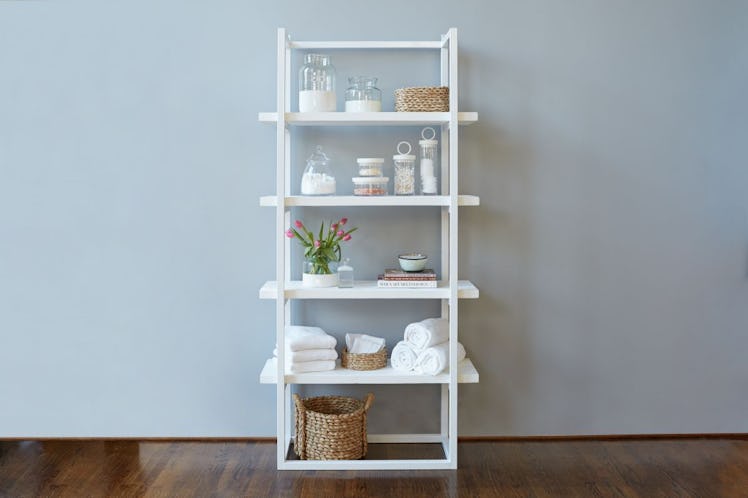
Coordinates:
(651, 468)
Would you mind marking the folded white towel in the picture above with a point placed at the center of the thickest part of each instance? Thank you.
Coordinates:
(403, 357)
(300, 338)
(312, 366)
(427, 333)
(363, 344)
(308, 355)
(435, 359)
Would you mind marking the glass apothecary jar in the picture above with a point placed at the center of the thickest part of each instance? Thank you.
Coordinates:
(363, 95)
(318, 178)
(317, 84)
(405, 166)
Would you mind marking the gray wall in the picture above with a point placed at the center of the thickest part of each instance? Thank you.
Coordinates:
(611, 245)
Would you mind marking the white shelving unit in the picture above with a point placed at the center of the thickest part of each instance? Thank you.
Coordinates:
(449, 289)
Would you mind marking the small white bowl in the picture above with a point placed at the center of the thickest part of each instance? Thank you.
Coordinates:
(413, 261)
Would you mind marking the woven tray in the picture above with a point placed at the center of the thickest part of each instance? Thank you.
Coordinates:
(367, 361)
(422, 99)
(331, 427)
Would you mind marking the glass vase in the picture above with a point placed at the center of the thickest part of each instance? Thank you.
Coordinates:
(319, 273)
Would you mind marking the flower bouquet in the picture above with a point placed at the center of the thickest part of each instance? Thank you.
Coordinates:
(321, 251)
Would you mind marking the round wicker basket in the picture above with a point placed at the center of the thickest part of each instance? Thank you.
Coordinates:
(422, 99)
(367, 361)
(331, 427)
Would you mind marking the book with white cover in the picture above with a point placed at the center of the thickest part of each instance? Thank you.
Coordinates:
(420, 284)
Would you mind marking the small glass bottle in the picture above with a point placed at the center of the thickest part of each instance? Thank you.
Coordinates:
(429, 164)
(318, 178)
(405, 165)
(345, 274)
(317, 84)
(363, 95)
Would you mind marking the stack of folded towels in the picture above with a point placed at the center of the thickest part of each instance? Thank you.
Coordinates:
(425, 347)
(308, 349)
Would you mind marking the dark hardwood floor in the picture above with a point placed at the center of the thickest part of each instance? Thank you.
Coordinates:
(650, 468)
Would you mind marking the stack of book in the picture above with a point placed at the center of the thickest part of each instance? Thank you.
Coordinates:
(408, 279)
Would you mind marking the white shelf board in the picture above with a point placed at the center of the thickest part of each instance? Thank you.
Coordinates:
(367, 289)
(328, 45)
(360, 200)
(368, 118)
(388, 375)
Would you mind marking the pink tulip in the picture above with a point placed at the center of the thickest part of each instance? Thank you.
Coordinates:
(289, 233)
(347, 238)
(299, 224)
(340, 233)
(333, 227)
(343, 221)
(317, 243)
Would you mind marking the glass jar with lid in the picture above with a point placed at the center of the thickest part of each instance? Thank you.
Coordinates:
(317, 84)
(370, 166)
(363, 95)
(318, 178)
(405, 165)
(370, 185)
(429, 164)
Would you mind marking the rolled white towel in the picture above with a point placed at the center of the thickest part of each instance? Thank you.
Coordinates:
(308, 355)
(300, 338)
(427, 333)
(363, 344)
(435, 359)
(403, 357)
(312, 366)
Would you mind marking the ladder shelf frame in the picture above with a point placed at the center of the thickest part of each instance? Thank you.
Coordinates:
(451, 289)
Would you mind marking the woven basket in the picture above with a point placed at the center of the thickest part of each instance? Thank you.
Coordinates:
(331, 427)
(366, 361)
(422, 99)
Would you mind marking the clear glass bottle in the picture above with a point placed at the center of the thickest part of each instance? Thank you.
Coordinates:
(317, 84)
(345, 274)
(405, 166)
(429, 165)
(363, 95)
(318, 178)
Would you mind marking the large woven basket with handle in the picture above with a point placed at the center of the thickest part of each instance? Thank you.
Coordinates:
(331, 427)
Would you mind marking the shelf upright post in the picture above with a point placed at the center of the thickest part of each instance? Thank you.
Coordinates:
(453, 233)
(282, 246)
(444, 180)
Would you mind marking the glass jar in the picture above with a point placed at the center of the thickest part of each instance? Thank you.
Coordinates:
(362, 95)
(405, 166)
(318, 178)
(317, 84)
(429, 164)
(345, 274)
(370, 166)
(370, 185)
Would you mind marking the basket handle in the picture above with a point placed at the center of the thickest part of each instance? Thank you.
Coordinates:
(299, 442)
(368, 401)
